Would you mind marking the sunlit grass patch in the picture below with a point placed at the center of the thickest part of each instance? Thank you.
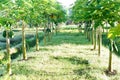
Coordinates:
(69, 38)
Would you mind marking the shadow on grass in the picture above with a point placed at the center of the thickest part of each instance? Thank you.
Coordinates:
(27, 71)
(73, 60)
(70, 38)
(85, 72)
(81, 71)
(24, 70)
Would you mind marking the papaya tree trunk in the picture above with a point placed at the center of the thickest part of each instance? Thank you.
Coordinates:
(44, 35)
(94, 39)
(89, 35)
(8, 53)
(93, 35)
(45, 39)
(110, 56)
(56, 29)
(99, 46)
(37, 39)
(52, 25)
(24, 42)
(79, 27)
(99, 41)
(87, 31)
(49, 33)
(103, 29)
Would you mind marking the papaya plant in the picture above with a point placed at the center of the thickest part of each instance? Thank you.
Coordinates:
(112, 34)
(37, 17)
(21, 12)
(6, 20)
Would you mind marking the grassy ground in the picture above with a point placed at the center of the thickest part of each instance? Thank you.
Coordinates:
(67, 56)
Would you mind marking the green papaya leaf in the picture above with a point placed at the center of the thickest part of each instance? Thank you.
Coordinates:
(114, 32)
(10, 34)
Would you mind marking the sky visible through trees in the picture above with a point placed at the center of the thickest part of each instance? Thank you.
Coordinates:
(66, 3)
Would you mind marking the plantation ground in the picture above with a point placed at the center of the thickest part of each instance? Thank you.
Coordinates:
(67, 56)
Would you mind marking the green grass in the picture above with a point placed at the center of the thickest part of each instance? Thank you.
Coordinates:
(69, 37)
(67, 56)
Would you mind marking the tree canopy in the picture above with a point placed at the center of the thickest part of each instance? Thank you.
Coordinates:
(31, 11)
(97, 10)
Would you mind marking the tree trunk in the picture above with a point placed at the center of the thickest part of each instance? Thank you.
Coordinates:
(99, 45)
(103, 29)
(56, 29)
(94, 39)
(99, 40)
(49, 36)
(50, 33)
(93, 35)
(45, 39)
(85, 32)
(23, 42)
(37, 39)
(52, 28)
(89, 35)
(8, 53)
(44, 35)
(110, 57)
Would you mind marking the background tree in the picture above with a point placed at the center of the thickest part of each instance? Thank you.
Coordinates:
(53, 13)
(21, 12)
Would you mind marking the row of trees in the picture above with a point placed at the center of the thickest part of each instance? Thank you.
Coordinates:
(34, 13)
(95, 14)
